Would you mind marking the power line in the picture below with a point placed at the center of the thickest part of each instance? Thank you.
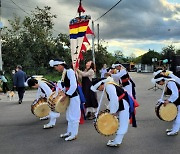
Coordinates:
(108, 10)
(20, 4)
(19, 7)
(25, 11)
(4, 7)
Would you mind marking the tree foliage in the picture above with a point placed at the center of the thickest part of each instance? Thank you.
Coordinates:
(147, 57)
(168, 52)
(30, 42)
(178, 51)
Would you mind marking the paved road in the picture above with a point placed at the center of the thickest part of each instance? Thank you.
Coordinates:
(21, 132)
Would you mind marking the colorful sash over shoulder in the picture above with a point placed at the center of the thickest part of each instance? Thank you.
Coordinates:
(132, 105)
(132, 110)
(83, 101)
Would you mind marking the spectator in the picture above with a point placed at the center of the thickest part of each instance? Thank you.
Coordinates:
(103, 70)
(19, 80)
(90, 96)
(4, 80)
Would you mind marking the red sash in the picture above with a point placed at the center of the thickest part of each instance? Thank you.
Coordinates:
(124, 80)
(121, 96)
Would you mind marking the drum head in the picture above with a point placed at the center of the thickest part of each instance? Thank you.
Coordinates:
(42, 110)
(168, 112)
(107, 124)
(62, 106)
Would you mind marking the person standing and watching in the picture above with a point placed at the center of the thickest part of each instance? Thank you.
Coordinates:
(4, 80)
(91, 98)
(103, 70)
(19, 80)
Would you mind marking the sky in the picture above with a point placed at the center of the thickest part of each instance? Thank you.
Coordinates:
(133, 26)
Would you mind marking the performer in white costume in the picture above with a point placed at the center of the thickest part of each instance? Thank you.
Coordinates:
(167, 73)
(172, 89)
(69, 84)
(118, 105)
(124, 79)
(44, 91)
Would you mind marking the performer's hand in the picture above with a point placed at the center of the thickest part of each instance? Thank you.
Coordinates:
(115, 114)
(112, 71)
(166, 102)
(160, 100)
(60, 92)
(63, 98)
(77, 70)
(107, 74)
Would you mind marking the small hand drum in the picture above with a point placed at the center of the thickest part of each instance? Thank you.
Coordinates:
(166, 113)
(106, 123)
(40, 108)
(56, 105)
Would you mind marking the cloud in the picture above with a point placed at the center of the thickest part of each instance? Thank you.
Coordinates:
(139, 47)
(139, 21)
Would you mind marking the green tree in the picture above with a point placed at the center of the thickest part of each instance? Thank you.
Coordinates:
(119, 55)
(168, 52)
(138, 60)
(147, 57)
(31, 42)
(178, 52)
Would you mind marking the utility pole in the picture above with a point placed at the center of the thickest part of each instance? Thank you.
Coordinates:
(98, 36)
(93, 55)
(0, 39)
(93, 49)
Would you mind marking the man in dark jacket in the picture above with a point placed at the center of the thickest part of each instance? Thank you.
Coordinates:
(19, 80)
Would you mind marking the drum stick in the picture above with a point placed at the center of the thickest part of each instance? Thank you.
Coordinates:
(100, 101)
(162, 96)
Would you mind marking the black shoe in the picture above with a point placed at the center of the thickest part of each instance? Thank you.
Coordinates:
(88, 115)
(20, 102)
(92, 116)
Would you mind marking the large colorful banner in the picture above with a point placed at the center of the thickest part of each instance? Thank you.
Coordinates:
(78, 41)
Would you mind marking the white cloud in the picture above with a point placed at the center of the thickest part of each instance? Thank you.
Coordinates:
(138, 25)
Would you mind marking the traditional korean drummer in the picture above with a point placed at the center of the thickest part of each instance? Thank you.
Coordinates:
(44, 91)
(167, 73)
(118, 104)
(69, 82)
(173, 89)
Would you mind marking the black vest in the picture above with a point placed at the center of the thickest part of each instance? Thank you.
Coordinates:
(120, 92)
(169, 92)
(66, 84)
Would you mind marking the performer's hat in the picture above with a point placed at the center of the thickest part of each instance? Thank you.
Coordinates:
(110, 68)
(29, 81)
(160, 77)
(117, 63)
(55, 62)
(157, 72)
(99, 81)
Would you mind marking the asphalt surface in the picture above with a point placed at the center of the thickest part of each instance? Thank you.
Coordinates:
(22, 133)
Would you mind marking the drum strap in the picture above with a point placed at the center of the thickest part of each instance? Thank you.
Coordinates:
(163, 91)
(121, 96)
(63, 75)
(43, 92)
(100, 101)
